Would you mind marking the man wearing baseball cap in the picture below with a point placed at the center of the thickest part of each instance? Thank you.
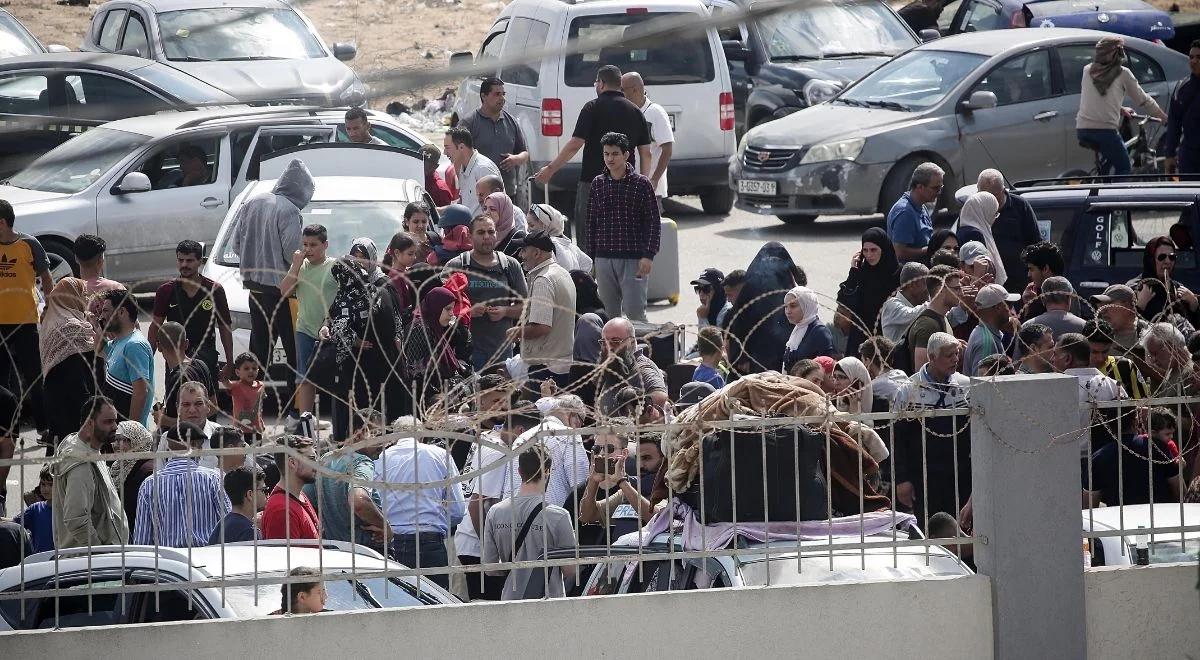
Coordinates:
(1116, 305)
(976, 260)
(547, 326)
(993, 334)
(1057, 294)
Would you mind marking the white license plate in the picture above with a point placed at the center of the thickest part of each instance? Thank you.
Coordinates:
(279, 356)
(753, 187)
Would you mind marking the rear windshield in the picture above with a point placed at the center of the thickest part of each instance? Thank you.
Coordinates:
(681, 60)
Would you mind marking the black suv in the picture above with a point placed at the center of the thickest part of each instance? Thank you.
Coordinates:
(783, 61)
(1106, 224)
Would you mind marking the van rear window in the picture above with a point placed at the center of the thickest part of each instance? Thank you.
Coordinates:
(679, 60)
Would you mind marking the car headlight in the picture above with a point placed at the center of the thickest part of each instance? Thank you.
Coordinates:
(840, 150)
(820, 91)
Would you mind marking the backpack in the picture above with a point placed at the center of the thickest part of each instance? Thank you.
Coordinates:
(901, 357)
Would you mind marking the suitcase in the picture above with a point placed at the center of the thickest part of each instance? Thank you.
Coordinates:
(665, 341)
(664, 277)
(734, 461)
(678, 375)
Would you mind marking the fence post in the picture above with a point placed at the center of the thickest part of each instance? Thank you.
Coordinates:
(1026, 496)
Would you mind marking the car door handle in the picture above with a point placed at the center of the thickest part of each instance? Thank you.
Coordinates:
(1045, 116)
(211, 203)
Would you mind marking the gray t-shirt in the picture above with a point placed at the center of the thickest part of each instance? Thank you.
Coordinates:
(501, 284)
(1059, 321)
(495, 139)
(550, 530)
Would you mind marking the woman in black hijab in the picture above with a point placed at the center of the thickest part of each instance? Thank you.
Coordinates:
(1157, 294)
(758, 328)
(874, 276)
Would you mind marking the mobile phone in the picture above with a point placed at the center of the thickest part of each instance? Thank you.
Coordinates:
(601, 465)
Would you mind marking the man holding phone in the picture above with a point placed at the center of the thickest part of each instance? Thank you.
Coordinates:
(496, 286)
(611, 499)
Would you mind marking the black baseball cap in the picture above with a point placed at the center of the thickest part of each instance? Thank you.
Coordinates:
(538, 239)
(710, 276)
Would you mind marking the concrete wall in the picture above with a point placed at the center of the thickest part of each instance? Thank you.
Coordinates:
(937, 618)
(1143, 612)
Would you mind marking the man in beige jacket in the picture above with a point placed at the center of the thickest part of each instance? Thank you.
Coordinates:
(87, 508)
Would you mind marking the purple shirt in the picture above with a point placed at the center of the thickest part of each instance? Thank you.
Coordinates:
(623, 220)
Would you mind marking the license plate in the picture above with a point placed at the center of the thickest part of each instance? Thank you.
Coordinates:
(279, 356)
(753, 187)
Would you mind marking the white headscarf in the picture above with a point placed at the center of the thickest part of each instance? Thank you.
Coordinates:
(861, 379)
(808, 305)
(979, 212)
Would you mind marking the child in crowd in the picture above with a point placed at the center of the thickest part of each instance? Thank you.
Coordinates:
(311, 277)
(809, 370)
(302, 597)
(711, 354)
(38, 517)
(247, 395)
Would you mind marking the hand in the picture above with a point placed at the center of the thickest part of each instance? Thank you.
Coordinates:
(1170, 165)
(1144, 294)
(297, 257)
(495, 313)
(478, 310)
(549, 387)
(1126, 112)
(966, 517)
(227, 372)
(856, 259)
(543, 175)
(596, 477)
(1187, 296)
(904, 493)
(510, 161)
(644, 266)
(324, 333)
(365, 345)
(513, 334)
(1029, 294)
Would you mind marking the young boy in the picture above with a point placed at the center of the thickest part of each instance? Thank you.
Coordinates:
(710, 347)
(247, 394)
(1114, 466)
(311, 279)
(38, 517)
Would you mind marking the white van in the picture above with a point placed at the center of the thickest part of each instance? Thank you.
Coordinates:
(687, 75)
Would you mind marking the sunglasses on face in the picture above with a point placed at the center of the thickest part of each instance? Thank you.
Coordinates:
(1167, 257)
(703, 289)
(607, 449)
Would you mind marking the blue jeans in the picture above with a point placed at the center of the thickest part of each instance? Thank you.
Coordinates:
(1111, 147)
(431, 548)
(306, 350)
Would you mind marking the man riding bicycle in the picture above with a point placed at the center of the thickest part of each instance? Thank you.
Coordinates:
(1106, 82)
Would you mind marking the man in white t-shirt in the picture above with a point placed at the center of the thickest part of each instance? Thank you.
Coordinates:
(469, 166)
(662, 137)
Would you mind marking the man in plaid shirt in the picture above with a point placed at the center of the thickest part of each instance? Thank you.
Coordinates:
(623, 230)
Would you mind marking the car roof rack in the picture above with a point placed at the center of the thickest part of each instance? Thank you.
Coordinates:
(1112, 181)
(250, 112)
(174, 554)
(324, 544)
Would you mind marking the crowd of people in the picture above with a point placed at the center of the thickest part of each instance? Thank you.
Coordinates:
(472, 349)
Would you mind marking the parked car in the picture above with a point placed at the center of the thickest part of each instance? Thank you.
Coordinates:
(757, 565)
(1003, 99)
(278, 55)
(687, 75)
(1168, 547)
(118, 181)
(76, 571)
(1132, 18)
(1105, 225)
(783, 61)
(357, 193)
(46, 99)
(17, 40)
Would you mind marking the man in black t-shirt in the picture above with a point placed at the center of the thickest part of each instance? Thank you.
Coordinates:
(199, 305)
(609, 112)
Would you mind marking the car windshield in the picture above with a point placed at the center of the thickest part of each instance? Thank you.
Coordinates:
(78, 162)
(915, 80)
(834, 30)
(346, 221)
(341, 596)
(1172, 551)
(237, 33)
(15, 41)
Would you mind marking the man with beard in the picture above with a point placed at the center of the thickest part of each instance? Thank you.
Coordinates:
(622, 365)
(289, 514)
(129, 378)
(87, 508)
(199, 305)
(496, 286)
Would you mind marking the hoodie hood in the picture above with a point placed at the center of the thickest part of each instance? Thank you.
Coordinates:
(72, 453)
(295, 184)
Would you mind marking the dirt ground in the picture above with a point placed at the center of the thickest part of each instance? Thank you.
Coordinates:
(391, 34)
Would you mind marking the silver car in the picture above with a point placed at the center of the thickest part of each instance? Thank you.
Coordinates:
(1003, 98)
(276, 51)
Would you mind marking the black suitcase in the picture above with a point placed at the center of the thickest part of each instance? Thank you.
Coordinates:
(678, 375)
(665, 341)
(734, 460)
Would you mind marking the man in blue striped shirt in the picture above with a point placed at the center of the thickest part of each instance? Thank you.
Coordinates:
(181, 504)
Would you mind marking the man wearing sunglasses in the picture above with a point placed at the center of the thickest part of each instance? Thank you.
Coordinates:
(908, 223)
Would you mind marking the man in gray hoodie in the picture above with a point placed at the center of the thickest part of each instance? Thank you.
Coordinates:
(266, 232)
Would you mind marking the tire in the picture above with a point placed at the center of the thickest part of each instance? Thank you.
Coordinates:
(717, 200)
(797, 219)
(61, 257)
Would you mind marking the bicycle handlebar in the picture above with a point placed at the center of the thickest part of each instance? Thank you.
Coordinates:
(1144, 118)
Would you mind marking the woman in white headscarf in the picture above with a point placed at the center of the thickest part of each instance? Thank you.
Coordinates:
(854, 394)
(543, 217)
(975, 224)
(809, 337)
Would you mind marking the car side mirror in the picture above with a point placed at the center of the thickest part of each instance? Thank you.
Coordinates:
(134, 182)
(979, 100)
(57, 48)
(462, 59)
(735, 51)
(344, 51)
(929, 34)
(205, 249)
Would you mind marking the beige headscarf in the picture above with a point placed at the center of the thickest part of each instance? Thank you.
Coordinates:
(65, 329)
(979, 211)
(1106, 62)
(140, 440)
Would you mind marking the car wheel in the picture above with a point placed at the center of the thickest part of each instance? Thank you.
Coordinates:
(797, 219)
(62, 259)
(717, 200)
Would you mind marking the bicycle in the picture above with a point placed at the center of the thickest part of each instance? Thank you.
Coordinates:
(1143, 158)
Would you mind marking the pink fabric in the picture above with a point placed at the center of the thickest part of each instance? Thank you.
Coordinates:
(505, 222)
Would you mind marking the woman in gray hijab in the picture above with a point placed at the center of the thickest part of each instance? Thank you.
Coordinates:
(1105, 84)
